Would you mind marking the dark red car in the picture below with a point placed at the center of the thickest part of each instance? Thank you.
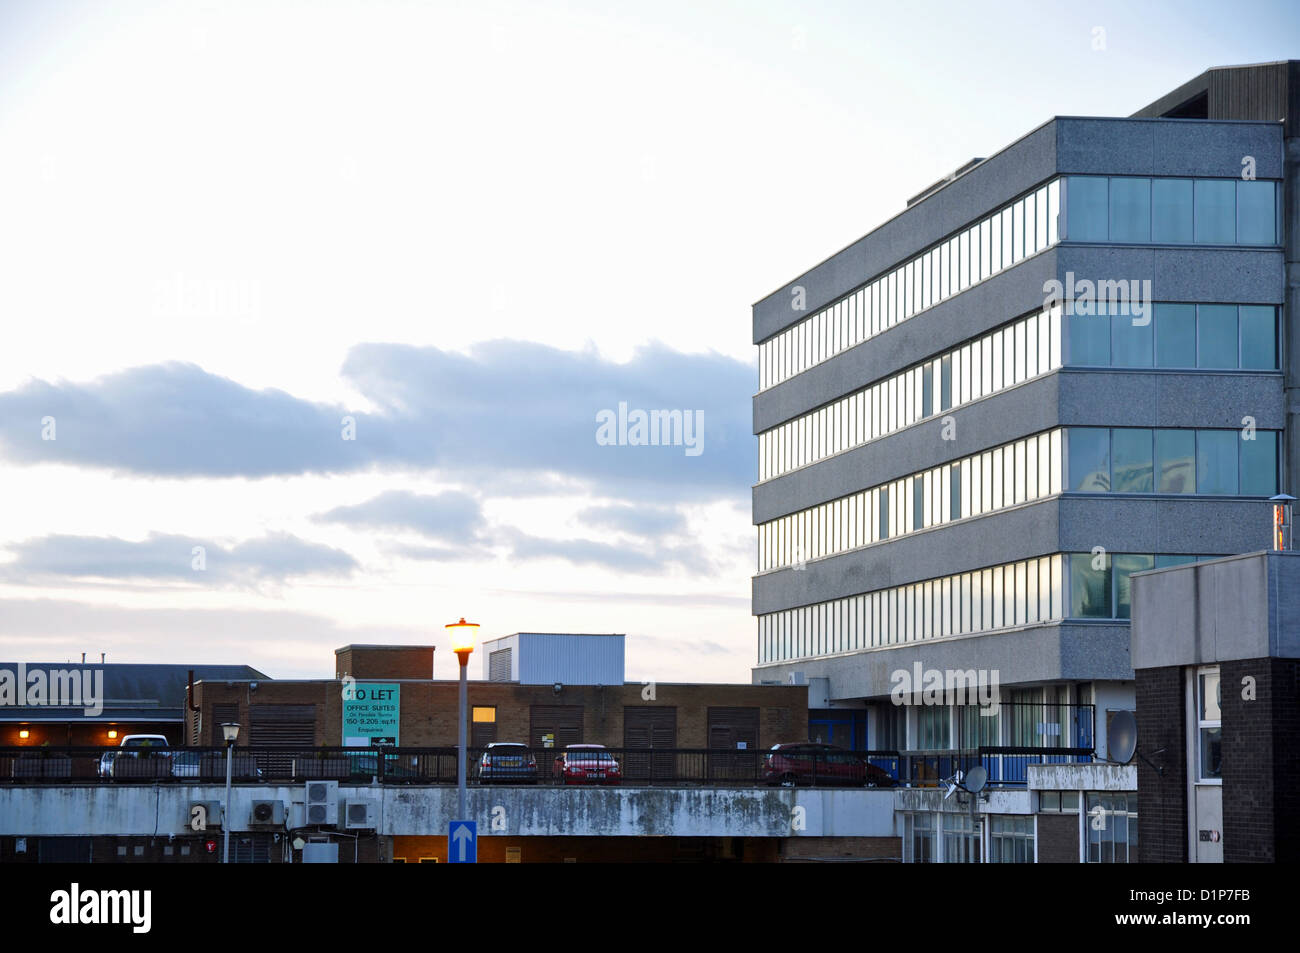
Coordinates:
(808, 763)
(587, 764)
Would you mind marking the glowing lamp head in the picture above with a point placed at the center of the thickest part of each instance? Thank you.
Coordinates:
(462, 636)
(24, 733)
(112, 733)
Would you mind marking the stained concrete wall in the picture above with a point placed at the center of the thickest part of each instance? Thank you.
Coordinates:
(91, 810)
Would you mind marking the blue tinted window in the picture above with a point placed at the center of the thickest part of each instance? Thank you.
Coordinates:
(1130, 210)
(1216, 461)
(1163, 562)
(1175, 461)
(927, 390)
(1256, 211)
(1216, 333)
(1175, 335)
(1089, 336)
(1087, 209)
(1258, 336)
(1171, 210)
(1216, 219)
(884, 513)
(1259, 464)
(918, 503)
(1089, 587)
(1131, 338)
(1089, 459)
(945, 383)
(1131, 460)
(1123, 567)
(954, 493)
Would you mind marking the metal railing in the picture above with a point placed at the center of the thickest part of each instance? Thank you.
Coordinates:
(290, 764)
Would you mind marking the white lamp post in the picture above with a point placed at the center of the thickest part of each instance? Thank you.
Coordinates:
(229, 732)
(462, 635)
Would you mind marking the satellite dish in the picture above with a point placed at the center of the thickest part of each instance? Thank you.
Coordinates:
(1122, 737)
(976, 778)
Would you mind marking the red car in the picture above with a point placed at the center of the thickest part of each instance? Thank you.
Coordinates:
(587, 764)
(808, 763)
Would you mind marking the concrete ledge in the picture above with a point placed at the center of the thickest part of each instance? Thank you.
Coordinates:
(145, 810)
(1082, 777)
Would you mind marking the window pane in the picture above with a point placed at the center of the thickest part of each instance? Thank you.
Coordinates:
(1259, 465)
(1087, 210)
(1175, 461)
(1215, 211)
(1216, 332)
(1175, 335)
(1132, 460)
(1089, 339)
(1125, 566)
(1089, 459)
(1131, 343)
(1130, 210)
(1089, 587)
(1171, 207)
(1256, 209)
(1258, 336)
(1216, 461)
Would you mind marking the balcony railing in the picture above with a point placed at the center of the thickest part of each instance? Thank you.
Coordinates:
(290, 764)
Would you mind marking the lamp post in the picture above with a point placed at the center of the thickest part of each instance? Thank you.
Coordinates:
(230, 732)
(462, 635)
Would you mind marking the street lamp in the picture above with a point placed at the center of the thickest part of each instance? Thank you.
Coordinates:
(229, 732)
(462, 635)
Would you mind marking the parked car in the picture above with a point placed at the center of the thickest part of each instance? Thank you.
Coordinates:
(104, 766)
(507, 761)
(133, 758)
(808, 762)
(587, 764)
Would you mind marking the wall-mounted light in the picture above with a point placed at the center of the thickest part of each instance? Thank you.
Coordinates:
(24, 733)
(112, 733)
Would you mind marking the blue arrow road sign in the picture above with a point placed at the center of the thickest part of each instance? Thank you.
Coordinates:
(462, 842)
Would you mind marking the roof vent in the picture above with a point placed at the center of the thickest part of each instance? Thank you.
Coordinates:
(946, 180)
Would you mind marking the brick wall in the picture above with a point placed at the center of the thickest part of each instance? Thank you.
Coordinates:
(1058, 838)
(1162, 798)
(1261, 770)
(429, 710)
(384, 661)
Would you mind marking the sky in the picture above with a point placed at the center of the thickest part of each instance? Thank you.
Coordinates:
(309, 310)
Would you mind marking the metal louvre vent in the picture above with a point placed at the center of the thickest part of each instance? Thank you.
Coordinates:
(499, 664)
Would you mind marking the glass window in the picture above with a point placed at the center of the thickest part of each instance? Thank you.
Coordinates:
(1175, 461)
(1132, 460)
(1209, 721)
(918, 503)
(1087, 209)
(1216, 461)
(1259, 464)
(1171, 210)
(1130, 210)
(1256, 210)
(1132, 344)
(1175, 335)
(1125, 566)
(1090, 587)
(945, 382)
(1089, 339)
(883, 528)
(1089, 459)
(1215, 211)
(1258, 336)
(1216, 334)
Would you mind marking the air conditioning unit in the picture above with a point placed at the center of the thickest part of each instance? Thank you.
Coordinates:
(267, 814)
(203, 816)
(322, 804)
(359, 814)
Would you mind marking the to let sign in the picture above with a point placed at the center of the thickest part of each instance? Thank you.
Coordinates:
(371, 712)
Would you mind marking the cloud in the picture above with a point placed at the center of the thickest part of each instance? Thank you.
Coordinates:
(167, 558)
(512, 411)
(452, 517)
(620, 557)
(645, 520)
